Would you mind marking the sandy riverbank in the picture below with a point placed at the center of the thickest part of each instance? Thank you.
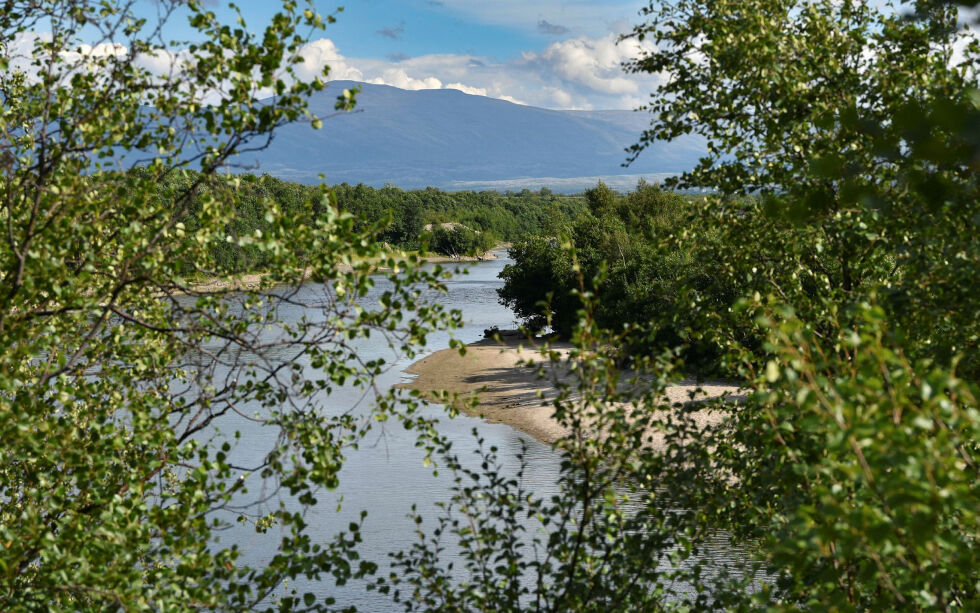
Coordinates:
(518, 395)
(254, 280)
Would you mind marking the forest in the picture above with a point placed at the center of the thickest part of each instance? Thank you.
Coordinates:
(396, 217)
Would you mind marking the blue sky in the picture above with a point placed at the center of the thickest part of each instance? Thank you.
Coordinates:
(502, 28)
(549, 53)
(374, 28)
(562, 54)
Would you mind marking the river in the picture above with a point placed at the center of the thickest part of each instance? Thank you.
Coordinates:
(387, 474)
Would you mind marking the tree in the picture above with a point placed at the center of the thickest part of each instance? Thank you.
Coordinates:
(459, 240)
(793, 126)
(850, 123)
(618, 257)
(600, 198)
(538, 285)
(114, 366)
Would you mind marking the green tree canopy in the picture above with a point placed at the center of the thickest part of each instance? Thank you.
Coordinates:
(815, 108)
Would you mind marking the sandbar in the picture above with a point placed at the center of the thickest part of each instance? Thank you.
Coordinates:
(517, 394)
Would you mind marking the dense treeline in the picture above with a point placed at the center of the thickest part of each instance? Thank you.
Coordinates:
(619, 252)
(450, 223)
(505, 216)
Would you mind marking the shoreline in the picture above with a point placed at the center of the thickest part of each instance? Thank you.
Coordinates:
(507, 391)
(519, 395)
(251, 281)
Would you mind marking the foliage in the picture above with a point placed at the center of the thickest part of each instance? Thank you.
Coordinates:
(600, 199)
(857, 482)
(538, 285)
(115, 371)
(506, 217)
(822, 132)
(459, 240)
(618, 245)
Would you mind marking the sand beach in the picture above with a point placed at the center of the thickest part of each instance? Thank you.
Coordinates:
(518, 394)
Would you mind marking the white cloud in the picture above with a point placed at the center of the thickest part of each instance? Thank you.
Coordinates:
(562, 98)
(21, 51)
(512, 99)
(595, 63)
(18, 51)
(397, 77)
(466, 89)
(576, 73)
(970, 21)
(159, 62)
(323, 52)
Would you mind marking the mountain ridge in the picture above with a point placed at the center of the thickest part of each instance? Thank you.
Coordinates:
(453, 140)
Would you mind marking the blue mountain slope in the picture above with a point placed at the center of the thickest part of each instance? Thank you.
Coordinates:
(446, 138)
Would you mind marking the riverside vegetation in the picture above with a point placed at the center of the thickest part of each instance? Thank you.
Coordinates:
(399, 218)
(834, 275)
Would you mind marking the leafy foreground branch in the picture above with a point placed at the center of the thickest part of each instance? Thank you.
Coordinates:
(121, 387)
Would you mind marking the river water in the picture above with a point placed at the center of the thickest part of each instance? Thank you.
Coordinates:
(387, 474)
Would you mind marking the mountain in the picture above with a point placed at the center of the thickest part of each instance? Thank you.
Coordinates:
(448, 139)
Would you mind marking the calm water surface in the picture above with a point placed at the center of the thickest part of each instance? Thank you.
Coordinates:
(386, 475)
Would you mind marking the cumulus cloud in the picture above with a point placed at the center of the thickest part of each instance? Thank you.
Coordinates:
(397, 77)
(562, 98)
(970, 35)
(595, 63)
(20, 51)
(576, 73)
(511, 99)
(466, 89)
(161, 62)
(323, 52)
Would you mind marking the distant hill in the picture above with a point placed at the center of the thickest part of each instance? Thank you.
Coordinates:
(448, 139)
